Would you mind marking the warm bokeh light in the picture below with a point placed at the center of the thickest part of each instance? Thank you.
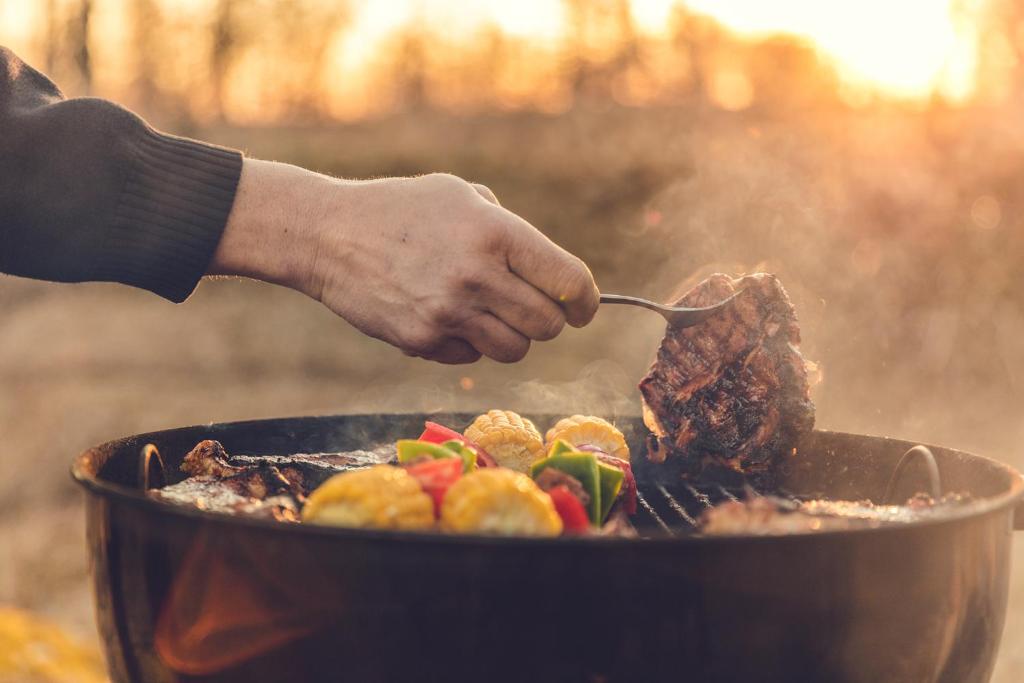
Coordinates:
(909, 49)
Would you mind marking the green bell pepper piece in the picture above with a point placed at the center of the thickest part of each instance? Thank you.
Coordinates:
(560, 446)
(465, 452)
(601, 482)
(581, 466)
(410, 449)
(611, 482)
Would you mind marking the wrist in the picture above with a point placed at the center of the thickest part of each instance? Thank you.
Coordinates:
(271, 232)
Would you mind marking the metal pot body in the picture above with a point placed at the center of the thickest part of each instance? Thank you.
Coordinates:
(188, 596)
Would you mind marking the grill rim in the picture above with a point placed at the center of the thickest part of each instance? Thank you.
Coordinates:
(85, 467)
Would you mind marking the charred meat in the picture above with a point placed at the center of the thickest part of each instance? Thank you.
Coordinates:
(727, 398)
(261, 486)
(767, 515)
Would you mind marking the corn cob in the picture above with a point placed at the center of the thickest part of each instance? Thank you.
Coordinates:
(499, 501)
(34, 649)
(587, 430)
(381, 497)
(512, 440)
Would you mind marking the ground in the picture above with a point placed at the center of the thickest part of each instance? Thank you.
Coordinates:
(898, 238)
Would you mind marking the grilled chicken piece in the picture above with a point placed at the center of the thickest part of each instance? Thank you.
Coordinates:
(266, 486)
(766, 515)
(726, 398)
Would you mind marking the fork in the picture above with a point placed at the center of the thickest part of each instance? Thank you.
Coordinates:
(677, 316)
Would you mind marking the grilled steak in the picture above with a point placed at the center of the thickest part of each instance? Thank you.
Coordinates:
(264, 486)
(726, 398)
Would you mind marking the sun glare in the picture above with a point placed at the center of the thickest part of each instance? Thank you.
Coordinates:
(907, 48)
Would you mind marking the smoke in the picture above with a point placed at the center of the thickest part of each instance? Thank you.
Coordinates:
(599, 389)
(898, 238)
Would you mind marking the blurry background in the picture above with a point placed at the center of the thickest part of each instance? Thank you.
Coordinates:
(869, 153)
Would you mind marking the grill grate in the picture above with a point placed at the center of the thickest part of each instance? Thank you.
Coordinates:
(676, 512)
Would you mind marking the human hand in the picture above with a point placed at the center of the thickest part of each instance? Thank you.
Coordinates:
(432, 265)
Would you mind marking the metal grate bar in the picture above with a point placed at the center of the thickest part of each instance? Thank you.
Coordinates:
(676, 507)
(653, 513)
(726, 493)
(700, 496)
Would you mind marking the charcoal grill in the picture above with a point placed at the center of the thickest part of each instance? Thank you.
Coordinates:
(185, 595)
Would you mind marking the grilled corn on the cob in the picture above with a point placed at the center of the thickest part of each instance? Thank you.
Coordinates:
(34, 649)
(583, 430)
(512, 440)
(381, 497)
(499, 501)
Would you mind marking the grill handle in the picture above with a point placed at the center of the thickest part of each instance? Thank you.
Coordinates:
(924, 454)
(1018, 517)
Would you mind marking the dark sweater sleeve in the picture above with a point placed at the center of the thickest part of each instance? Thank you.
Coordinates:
(90, 192)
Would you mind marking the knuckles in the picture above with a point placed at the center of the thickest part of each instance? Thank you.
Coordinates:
(578, 290)
(549, 325)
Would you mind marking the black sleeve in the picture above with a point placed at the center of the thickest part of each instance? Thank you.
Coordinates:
(90, 192)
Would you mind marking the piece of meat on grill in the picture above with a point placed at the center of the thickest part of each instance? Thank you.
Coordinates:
(272, 486)
(768, 515)
(727, 397)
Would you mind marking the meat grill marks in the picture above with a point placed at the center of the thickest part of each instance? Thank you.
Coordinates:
(272, 486)
(726, 398)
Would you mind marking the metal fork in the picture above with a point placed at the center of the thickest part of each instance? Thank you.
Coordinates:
(677, 316)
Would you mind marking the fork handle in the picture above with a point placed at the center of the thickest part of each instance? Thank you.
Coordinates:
(632, 301)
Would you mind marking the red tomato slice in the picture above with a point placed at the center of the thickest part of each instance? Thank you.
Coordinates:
(438, 433)
(435, 433)
(435, 476)
(574, 516)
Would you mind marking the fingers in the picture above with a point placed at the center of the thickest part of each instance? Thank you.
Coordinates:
(479, 334)
(523, 307)
(495, 339)
(554, 271)
(455, 352)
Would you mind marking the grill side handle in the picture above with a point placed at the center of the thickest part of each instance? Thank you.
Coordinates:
(1018, 517)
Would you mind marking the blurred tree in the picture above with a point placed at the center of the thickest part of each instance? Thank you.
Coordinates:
(51, 20)
(78, 41)
(999, 72)
(694, 38)
(602, 44)
(307, 30)
(409, 70)
(786, 74)
(66, 54)
(146, 44)
(225, 32)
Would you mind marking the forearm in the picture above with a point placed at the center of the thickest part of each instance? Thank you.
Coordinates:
(88, 191)
(271, 232)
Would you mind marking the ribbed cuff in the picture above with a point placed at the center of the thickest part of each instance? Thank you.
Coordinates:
(171, 214)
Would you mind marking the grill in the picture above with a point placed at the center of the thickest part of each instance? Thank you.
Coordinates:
(664, 506)
(678, 514)
(188, 595)
(675, 508)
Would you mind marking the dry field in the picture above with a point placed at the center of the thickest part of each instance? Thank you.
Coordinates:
(885, 228)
